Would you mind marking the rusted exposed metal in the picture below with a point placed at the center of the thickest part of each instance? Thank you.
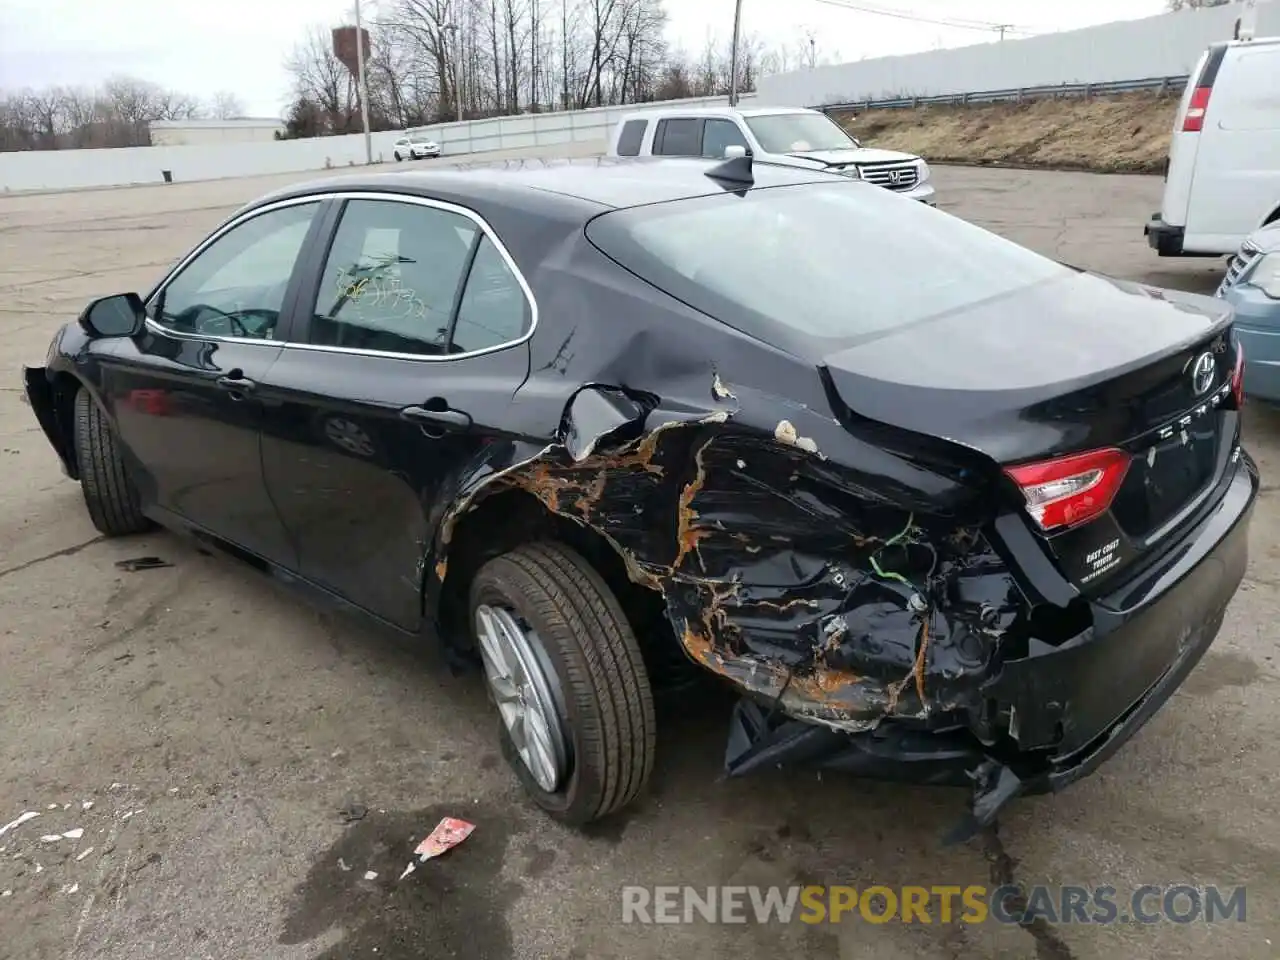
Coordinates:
(843, 620)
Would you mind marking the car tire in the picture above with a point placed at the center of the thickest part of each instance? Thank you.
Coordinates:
(109, 492)
(595, 672)
(398, 157)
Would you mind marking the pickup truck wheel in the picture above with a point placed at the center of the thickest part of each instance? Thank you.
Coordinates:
(109, 493)
(566, 674)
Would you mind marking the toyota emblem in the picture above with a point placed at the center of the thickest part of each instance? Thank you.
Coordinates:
(1202, 374)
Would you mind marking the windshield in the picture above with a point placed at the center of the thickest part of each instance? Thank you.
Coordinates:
(799, 133)
(419, 140)
(817, 267)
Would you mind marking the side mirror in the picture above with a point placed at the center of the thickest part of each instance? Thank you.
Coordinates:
(120, 315)
(736, 150)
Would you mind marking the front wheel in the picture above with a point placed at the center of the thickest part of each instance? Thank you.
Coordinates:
(566, 674)
(109, 492)
(398, 157)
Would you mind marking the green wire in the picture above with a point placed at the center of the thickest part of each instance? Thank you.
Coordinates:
(875, 563)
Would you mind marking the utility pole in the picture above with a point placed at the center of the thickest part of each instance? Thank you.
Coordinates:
(363, 87)
(733, 53)
(564, 52)
(1002, 27)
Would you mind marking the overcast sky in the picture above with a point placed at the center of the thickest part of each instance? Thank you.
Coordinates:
(201, 47)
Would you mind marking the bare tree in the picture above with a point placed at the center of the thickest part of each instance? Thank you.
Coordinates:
(226, 106)
(118, 115)
(320, 78)
(433, 27)
(1176, 5)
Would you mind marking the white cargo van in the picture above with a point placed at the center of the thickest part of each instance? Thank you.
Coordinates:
(1223, 176)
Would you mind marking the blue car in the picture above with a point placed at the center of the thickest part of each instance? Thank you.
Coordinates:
(1252, 287)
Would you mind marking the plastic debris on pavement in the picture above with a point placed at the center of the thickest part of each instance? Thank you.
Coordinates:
(371, 874)
(353, 812)
(84, 853)
(14, 824)
(142, 563)
(75, 834)
(448, 833)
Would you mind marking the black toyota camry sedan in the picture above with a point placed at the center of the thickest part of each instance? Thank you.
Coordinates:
(940, 509)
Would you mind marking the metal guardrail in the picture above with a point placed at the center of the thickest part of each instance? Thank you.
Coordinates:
(1162, 85)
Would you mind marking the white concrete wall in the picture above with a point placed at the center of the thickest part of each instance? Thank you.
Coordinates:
(206, 132)
(1166, 45)
(544, 133)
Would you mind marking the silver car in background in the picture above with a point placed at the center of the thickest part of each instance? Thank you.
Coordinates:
(1252, 287)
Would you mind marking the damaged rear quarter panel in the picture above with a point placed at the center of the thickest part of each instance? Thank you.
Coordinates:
(804, 565)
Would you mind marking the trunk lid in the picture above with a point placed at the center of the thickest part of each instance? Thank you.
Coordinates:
(1065, 367)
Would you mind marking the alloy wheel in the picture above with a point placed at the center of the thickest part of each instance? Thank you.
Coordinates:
(523, 693)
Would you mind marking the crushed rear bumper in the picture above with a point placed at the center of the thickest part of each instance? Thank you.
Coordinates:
(1071, 706)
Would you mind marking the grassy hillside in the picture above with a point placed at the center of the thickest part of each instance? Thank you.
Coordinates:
(1123, 133)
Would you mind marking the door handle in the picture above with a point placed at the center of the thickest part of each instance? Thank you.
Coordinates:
(446, 419)
(236, 384)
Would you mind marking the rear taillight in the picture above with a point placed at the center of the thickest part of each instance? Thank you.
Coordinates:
(1237, 377)
(1070, 490)
(1193, 122)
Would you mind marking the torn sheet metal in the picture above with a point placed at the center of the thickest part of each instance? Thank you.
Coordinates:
(794, 575)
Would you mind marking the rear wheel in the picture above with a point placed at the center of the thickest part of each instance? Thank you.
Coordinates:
(565, 672)
(109, 493)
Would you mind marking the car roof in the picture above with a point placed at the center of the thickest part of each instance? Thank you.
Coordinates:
(588, 185)
(715, 112)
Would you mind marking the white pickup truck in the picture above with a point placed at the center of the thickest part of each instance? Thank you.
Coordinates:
(785, 135)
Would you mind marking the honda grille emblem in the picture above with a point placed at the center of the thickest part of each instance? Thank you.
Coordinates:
(896, 176)
(1202, 374)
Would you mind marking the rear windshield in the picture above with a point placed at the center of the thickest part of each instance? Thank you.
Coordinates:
(817, 267)
(799, 133)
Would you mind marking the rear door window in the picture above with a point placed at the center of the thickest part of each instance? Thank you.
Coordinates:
(631, 137)
(412, 279)
(494, 309)
(679, 137)
(393, 275)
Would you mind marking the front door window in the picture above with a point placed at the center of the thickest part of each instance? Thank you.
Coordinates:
(235, 287)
